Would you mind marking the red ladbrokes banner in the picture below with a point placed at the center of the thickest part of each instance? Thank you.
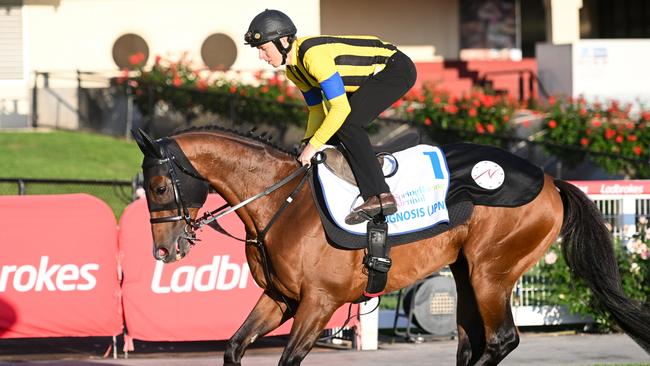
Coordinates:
(205, 296)
(58, 268)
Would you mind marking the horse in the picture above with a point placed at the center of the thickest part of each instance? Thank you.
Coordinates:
(306, 278)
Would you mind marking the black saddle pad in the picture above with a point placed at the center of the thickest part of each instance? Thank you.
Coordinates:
(521, 184)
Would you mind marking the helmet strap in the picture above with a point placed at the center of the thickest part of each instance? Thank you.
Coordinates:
(284, 51)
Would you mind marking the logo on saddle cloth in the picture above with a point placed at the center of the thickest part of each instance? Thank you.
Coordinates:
(419, 186)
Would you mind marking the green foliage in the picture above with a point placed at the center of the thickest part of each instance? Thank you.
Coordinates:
(634, 266)
(602, 131)
(269, 97)
(478, 117)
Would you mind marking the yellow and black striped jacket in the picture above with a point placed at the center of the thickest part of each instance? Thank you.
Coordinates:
(332, 66)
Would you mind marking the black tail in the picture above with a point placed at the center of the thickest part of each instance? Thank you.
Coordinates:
(589, 253)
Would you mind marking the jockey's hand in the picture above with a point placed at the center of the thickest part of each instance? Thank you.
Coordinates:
(306, 154)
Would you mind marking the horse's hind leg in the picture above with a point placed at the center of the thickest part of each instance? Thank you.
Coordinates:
(267, 315)
(471, 334)
(311, 318)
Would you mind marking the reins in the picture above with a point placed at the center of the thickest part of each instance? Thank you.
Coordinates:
(211, 218)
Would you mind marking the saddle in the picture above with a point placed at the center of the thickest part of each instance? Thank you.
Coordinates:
(336, 162)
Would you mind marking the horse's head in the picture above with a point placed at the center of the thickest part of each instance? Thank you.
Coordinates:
(175, 191)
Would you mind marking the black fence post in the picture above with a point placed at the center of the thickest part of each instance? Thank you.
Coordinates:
(35, 100)
(79, 118)
(21, 187)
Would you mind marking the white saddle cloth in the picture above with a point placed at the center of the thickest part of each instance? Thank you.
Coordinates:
(419, 186)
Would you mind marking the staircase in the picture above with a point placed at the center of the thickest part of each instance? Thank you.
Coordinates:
(458, 77)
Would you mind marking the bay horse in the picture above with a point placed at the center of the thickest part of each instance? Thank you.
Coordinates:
(309, 278)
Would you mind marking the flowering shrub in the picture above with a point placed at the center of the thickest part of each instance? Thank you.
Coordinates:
(478, 117)
(634, 265)
(572, 130)
(600, 130)
(192, 91)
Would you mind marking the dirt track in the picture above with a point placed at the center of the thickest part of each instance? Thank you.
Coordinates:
(534, 349)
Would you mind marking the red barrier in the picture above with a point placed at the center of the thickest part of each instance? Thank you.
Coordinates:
(205, 296)
(58, 271)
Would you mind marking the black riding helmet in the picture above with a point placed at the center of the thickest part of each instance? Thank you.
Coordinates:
(270, 26)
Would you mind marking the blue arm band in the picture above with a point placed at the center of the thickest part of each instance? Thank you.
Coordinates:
(313, 96)
(333, 86)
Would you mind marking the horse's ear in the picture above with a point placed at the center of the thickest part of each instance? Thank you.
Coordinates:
(147, 145)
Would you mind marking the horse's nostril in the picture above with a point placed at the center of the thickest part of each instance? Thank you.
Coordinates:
(162, 253)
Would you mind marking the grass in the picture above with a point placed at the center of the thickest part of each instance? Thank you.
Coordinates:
(69, 155)
(64, 154)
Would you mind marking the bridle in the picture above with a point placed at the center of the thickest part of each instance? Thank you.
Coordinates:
(171, 161)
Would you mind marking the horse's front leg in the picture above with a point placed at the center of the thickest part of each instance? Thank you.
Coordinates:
(314, 311)
(267, 315)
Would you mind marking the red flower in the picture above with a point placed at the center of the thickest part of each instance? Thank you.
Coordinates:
(409, 109)
(584, 141)
(637, 150)
(552, 123)
(472, 112)
(201, 84)
(588, 131)
(437, 100)
(551, 100)
(157, 60)
(596, 122)
(645, 115)
(177, 82)
(619, 139)
(506, 117)
(631, 138)
(490, 128)
(609, 133)
(397, 103)
(280, 98)
(479, 128)
(427, 121)
(583, 112)
(629, 125)
(136, 58)
(476, 103)
(233, 89)
(264, 89)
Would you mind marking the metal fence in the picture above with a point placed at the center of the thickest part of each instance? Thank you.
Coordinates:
(116, 193)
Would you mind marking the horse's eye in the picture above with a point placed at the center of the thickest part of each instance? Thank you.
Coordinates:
(161, 190)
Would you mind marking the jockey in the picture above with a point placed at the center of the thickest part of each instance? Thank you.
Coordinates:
(359, 76)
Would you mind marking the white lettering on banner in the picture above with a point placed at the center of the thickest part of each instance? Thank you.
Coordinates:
(55, 277)
(218, 275)
(618, 189)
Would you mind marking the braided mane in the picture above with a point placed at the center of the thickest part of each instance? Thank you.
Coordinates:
(250, 135)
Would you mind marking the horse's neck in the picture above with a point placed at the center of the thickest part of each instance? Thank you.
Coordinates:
(238, 171)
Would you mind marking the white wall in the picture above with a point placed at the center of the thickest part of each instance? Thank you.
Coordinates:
(79, 34)
(418, 27)
(597, 69)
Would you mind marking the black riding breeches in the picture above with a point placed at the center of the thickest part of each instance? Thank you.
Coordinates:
(374, 96)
